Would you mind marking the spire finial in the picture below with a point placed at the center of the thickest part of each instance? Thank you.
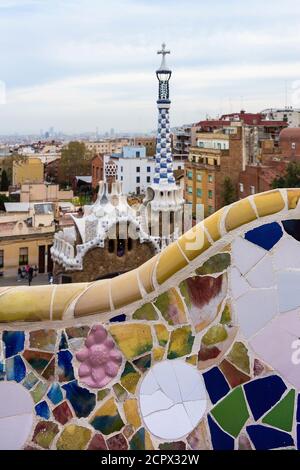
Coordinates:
(163, 52)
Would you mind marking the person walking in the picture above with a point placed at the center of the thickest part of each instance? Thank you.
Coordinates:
(30, 275)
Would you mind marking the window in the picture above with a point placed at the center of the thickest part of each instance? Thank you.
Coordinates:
(210, 209)
(148, 169)
(23, 256)
(138, 190)
(190, 175)
(200, 144)
(241, 188)
(121, 178)
(210, 194)
(190, 189)
(121, 169)
(1, 258)
(111, 246)
(199, 178)
(210, 178)
(138, 169)
(199, 192)
(252, 189)
(137, 179)
(138, 154)
(148, 179)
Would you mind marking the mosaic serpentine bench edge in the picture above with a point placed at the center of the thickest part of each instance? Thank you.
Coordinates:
(66, 305)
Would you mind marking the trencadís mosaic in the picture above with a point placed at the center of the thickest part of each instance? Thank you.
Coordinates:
(209, 359)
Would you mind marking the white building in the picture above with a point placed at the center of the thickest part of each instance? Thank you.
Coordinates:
(136, 173)
(288, 114)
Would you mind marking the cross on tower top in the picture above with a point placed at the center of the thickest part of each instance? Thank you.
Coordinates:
(163, 50)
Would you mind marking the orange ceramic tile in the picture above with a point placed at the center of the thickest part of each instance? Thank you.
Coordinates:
(239, 214)
(146, 274)
(194, 242)
(171, 261)
(125, 289)
(63, 296)
(26, 304)
(269, 203)
(94, 300)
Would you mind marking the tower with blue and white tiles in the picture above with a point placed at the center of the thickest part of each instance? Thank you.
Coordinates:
(164, 200)
(164, 164)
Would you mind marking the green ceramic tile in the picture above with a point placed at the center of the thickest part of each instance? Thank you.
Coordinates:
(282, 415)
(232, 412)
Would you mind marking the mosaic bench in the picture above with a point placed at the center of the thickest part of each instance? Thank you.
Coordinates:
(197, 349)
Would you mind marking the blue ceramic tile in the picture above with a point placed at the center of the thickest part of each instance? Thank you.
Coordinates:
(265, 236)
(42, 409)
(14, 342)
(216, 384)
(55, 394)
(81, 399)
(2, 371)
(29, 381)
(292, 227)
(63, 342)
(15, 369)
(263, 394)
(298, 409)
(220, 440)
(265, 438)
(118, 318)
(66, 372)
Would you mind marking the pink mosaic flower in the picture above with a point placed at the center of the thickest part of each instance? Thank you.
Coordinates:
(100, 359)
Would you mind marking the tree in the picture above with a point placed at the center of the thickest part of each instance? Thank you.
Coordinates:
(290, 179)
(229, 192)
(3, 199)
(75, 161)
(4, 181)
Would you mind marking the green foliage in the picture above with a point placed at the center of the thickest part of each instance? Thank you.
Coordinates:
(4, 181)
(75, 161)
(229, 192)
(290, 179)
(3, 199)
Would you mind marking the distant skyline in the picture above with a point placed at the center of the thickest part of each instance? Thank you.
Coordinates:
(81, 64)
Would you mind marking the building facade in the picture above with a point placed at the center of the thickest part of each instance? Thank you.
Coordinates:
(26, 237)
(30, 169)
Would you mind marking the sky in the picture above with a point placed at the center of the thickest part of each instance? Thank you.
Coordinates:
(81, 64)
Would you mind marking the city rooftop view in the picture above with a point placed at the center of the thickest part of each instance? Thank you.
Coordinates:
(149, 229)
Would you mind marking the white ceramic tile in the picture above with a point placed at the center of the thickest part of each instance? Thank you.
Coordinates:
(14, 400)
(255, 309)
(280, 349)
(156, 401)
(245, 254)
(164, 412)
(169, 424)
(14, 431)
(288, 290)
(195, 409)
(262, 275)
(190, 381)
(290, 322)
(167, 381)
(287, 254)
(239, 285)
(149, 384)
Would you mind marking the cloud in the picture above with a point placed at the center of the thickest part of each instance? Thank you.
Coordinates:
(97, 59)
